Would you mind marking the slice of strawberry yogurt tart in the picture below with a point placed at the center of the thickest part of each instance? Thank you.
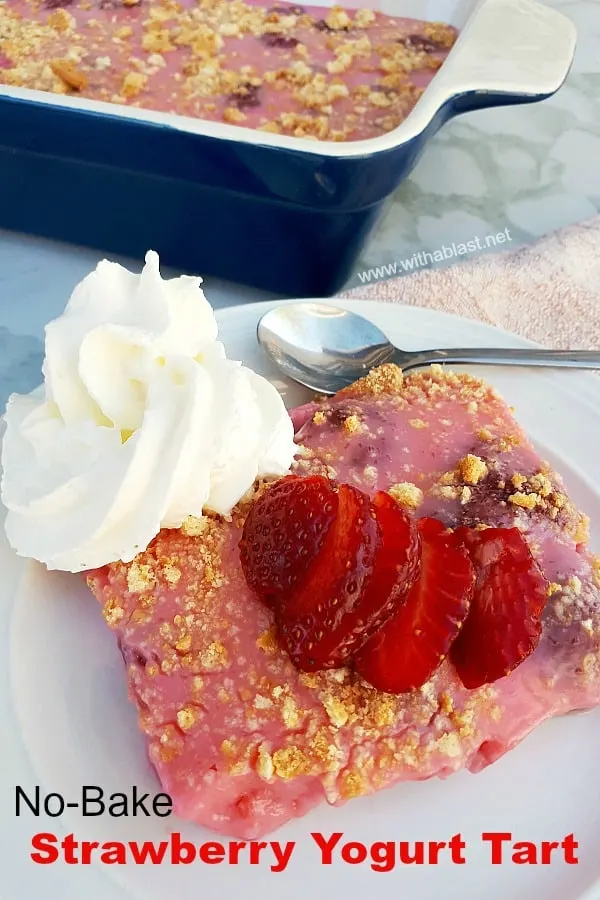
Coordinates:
(243, 731)
(393, 588)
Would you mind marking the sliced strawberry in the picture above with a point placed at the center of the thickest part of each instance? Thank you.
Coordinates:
(410, 646)
(284, 532)
(504, 624)
(393, 573)
(395, 569)
(318, 619)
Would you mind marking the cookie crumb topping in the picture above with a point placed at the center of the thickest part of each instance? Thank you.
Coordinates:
(247, 64)
(407, 494)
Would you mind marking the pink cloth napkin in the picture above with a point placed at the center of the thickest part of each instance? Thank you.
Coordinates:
(548, 292)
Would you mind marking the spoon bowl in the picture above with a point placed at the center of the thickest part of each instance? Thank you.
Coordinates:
(322, 347)
(326, 348)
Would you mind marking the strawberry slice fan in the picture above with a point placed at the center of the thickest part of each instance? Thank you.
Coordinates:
(355, 581)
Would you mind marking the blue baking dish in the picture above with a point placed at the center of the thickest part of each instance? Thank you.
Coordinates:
(283, 214)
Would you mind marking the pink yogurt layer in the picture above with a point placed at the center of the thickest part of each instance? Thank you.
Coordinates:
(289, 69)
(239, 738)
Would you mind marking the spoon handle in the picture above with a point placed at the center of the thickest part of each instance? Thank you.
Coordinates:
(577, 359)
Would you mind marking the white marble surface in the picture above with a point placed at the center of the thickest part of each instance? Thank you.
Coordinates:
(529, 169)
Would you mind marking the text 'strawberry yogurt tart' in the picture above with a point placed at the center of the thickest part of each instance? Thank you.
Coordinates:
(400, 590)
(310, 72)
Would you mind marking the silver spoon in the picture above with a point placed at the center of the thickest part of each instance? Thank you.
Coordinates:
(326, 348)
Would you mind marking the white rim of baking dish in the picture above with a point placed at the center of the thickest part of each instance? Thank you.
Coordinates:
(520, 50)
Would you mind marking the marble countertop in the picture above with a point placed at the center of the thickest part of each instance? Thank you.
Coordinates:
(528, 169)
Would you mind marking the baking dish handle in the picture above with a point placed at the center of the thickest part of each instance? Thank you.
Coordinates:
(510, 51)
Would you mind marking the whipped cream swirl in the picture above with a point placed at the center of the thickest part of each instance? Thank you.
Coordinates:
(141, 422)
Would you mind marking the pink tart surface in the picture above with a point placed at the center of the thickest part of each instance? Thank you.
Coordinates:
(303, 71)
(242, 740)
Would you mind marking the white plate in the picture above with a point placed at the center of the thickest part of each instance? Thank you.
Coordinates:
(65, 720)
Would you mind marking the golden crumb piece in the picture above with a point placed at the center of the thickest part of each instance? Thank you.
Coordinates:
(553, 588)
(264, 763)
(509, 441)
(194, 526)
(484, 434)
(233, 115)
(380, 99)
(429, 692)
(336, 710)
(289, 713)
(340, 64)
(67, 70)
(319, 417)
(581, 535)
(518, 481)
(187, 717)
(419, 424)
(262, 702)
(112, 612)
(449, 744)
(574, 585)
(311, 681)
(140, 578)
(133, 84)
(169, 744)
(229, 29)
(353, 784)
(228, 748)
(60, 20)
(267, 641)
(338, 19)
(215, 656)
(171, 573)
(291, 762)
(525, 501)
(406, 494)
(326, 751)
(364, 18)
(385, 379)
(123, 33)
(472, 469)
(443, 35)
(446, 704)
(382, 710)
(465, 495)
(184, 643)
(447, 492)
(541, 485)
(271, 127)
(157, 60)
(447, 478)
(352, 425)
(157, 42)
(370, 473)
